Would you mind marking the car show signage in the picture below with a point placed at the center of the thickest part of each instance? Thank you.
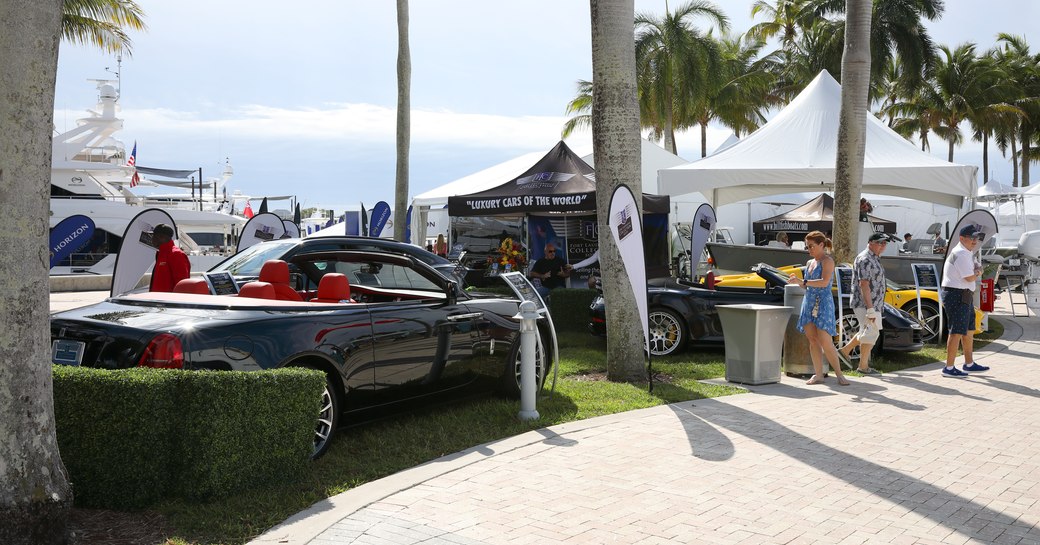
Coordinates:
(69, 235)
(926, 277)
(701, 227)
(260, 228)
(627, 229)
(137, 254)
(380, 213)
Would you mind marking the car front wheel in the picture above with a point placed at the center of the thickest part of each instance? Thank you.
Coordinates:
(668, 332)
(328, 420)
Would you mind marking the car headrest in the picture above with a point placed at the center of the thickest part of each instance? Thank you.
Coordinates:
(257, 290)
(275, 271)
(192, 285)
(333, 288)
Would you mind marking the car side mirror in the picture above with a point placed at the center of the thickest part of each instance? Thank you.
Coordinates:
(452, 292)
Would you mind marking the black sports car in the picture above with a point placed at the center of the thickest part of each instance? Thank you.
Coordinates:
(681, 313)
(385, 328)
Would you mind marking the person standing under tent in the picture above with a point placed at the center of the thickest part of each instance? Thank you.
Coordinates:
(960, 272)
(551, 271)
(816, 319)
(868, 300)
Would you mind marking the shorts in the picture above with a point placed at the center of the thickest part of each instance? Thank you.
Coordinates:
(960, 313)
(869, 330)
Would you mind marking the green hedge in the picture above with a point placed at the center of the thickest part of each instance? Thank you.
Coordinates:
(570, 308)
(135, 436)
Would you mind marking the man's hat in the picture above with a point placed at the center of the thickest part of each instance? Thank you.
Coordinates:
(878, 237)
(162, 228)
(971, 231)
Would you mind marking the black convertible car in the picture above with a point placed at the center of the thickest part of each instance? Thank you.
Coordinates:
(385, 328)
(247, 263)
(681, 313)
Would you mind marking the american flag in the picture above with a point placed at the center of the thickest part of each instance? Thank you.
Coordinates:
(132, 162)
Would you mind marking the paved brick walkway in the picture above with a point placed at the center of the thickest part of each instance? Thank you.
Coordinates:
(910, 457)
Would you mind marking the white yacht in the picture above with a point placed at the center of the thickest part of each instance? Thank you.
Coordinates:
(90, 176)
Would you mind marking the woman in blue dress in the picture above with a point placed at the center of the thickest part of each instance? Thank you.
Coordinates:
(817, 319)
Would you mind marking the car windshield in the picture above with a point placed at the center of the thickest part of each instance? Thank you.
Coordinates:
(248, 262)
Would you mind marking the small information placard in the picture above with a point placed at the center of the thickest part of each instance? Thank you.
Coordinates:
(925, 276)
(222, 283)
(524, 289)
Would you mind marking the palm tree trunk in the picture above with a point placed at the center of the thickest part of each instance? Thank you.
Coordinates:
(704, 139)
(985, 158)
(615, 138)
(852, 128)
(35, 496)
(1014, 163)
(404, 121)
(949, 156)
(1026, 137)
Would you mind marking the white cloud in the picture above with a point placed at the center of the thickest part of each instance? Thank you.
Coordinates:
(352, 123)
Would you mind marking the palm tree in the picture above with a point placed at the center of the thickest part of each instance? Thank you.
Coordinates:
(581, 106)
(36, 496)
(740, 90)
(1023, 69)
(852, 128)
(615, 138)
(896, 29)
(404, 123)
(673, 60)
(965, 87)
(817, 48)
(786, 19)
(101, 23)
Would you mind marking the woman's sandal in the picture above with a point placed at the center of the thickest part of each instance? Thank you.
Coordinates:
(816, 379)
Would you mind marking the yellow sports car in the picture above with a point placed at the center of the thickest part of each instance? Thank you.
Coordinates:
(896, 296)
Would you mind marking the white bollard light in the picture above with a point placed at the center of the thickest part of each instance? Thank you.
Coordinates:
(528, 315)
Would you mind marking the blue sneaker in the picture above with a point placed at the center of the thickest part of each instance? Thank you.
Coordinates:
(953, 372)
(975, 368)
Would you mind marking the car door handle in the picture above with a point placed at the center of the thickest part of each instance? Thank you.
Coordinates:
(469, 316)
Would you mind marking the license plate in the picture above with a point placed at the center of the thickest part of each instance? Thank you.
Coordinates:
(67, 352)
(1014, 262)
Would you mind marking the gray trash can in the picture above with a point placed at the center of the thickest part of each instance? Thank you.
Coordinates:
(754, 358)
(797, 361)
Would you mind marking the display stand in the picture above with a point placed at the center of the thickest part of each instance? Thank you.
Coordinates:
(927, 278)
(525, 291)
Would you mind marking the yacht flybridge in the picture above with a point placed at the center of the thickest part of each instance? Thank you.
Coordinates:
(90, 176)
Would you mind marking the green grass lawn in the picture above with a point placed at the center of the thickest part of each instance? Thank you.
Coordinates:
(378, 449)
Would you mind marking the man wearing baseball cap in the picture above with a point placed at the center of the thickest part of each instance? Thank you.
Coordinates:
(868, 299)
(960, 273)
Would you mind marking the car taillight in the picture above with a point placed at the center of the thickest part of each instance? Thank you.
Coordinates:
(164, 352)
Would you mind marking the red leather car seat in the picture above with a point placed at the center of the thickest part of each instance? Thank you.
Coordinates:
(192, 285)
(276, 272)
(257, 290)
(333, 288)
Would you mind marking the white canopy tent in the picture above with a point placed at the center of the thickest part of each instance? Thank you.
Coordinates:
(795, 152)
(653, 158)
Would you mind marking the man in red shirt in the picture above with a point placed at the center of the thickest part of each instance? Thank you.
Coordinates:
(171, 264)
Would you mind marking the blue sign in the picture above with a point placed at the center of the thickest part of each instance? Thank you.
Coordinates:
(408, 225)
(68, 236)
(380, 213)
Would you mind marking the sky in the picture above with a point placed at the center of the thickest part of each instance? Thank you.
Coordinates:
(303, 102)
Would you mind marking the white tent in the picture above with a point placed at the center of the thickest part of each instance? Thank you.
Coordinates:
(652, 159)
(795, 151)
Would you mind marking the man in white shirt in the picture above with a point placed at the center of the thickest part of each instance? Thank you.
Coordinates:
(960, 273)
